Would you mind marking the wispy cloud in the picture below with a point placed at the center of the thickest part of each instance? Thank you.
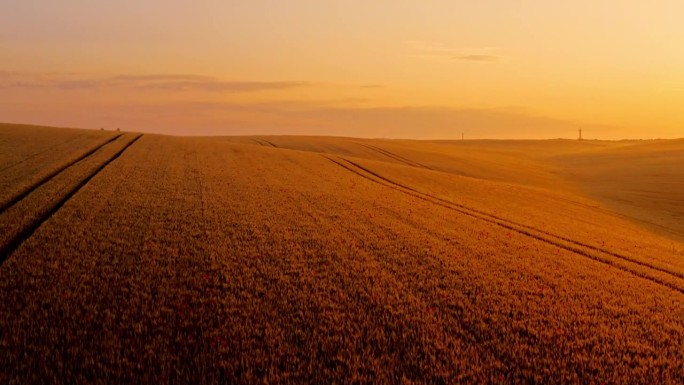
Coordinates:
(164, 82)
(313, 118)
(440, 52)
(341, 117)
(170, 77)
(482, 58)
(223, 86)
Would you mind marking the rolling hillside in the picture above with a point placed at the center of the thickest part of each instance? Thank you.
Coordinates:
(161, 259)
(641, 180)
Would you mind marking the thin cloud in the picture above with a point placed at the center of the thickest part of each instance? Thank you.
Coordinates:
(313, 118)
(7, 74)
(440, 52)
(77, 84)
(165, 77)
(150, 82)
(223, 86)
(478, 58)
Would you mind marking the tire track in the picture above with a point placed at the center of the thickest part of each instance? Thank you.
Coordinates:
(532, 228)
(263, 142)
(513, 223)
(269, 143)
(526, 230)
(14, 200)
(25, 233)
(394, 156)
(398, 157)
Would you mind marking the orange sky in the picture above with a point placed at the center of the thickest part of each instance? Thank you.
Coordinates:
(384, 68)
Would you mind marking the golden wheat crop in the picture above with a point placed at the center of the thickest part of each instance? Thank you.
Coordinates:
(29, 154)
(203, 260)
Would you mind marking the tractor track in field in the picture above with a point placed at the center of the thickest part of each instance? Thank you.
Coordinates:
(26, 232)
(497, 218)
(394, 156)
(14, 200)
(576, 247)
(261, 142)
(269, 143)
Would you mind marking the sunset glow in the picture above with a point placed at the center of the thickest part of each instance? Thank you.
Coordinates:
(412, 69)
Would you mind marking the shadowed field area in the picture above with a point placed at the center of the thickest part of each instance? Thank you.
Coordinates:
(161, 259)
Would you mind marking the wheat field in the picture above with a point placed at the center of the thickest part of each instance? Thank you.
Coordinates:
(130, 258)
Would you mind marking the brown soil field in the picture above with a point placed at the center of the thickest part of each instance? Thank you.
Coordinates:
(155, 259)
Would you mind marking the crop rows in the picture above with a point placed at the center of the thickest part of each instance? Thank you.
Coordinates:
(32, 207)
(45, 178)
(395, 157)
(636, 266)
(196, 260)
(31, 155)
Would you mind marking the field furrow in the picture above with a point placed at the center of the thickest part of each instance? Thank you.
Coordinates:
(196, 260)
(394, 156)
(44, 179)
(643, 269)
(32, 208)
(31, 155)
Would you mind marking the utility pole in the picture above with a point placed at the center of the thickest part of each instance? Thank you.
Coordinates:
(580, 134)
